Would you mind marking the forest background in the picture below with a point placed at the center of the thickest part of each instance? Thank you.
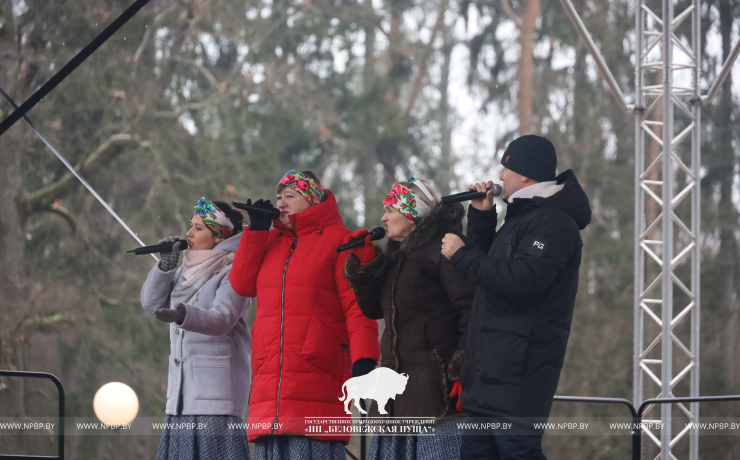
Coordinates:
(219, 98)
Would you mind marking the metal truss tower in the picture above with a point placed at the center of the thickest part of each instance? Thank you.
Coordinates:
(667, 111)
(667, 219)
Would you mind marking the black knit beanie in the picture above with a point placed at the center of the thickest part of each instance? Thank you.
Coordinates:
(533, 157)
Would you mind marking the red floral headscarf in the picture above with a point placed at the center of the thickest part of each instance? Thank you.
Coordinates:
(304, 185)
(406, 202)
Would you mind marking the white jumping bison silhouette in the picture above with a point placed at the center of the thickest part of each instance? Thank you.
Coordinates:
(381, 385)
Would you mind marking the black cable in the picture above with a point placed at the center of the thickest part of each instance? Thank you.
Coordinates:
(71, 65)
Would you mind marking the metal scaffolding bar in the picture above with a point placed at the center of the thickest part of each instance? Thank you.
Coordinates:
(666, 350)
(695, 227)
(606, 74)
(723, 73)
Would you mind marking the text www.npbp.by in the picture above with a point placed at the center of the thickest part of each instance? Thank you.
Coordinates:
(103, 426)
(26, 426)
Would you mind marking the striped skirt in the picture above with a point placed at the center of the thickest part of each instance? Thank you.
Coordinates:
(203, 437)
(443, 444)
(287, 447)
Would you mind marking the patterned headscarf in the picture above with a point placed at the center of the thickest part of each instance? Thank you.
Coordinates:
(214, 218)
(406, 202)
(304, 185)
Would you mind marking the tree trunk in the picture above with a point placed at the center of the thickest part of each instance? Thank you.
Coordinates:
(396, 58)
(11, 253)
(369, 156)
(446, 172)
(727, 214)
(579, 136)
(526, 65)
(12, 241)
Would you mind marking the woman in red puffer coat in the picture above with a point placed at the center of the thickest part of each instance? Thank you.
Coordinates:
(309, 336)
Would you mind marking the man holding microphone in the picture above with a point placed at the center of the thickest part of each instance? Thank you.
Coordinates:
(526, 275)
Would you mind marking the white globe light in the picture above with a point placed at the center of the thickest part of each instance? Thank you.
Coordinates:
(115, 403)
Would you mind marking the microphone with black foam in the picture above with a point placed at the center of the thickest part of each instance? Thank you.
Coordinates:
(377, 233)
(495, 189)
(272, 213)
(164, 247)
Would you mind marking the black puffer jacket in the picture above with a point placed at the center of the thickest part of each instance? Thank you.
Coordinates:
(425, 302)
(527, 278)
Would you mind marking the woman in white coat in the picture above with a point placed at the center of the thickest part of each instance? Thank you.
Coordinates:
(210, 344)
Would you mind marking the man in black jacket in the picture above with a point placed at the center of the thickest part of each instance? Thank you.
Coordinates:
(526, 275)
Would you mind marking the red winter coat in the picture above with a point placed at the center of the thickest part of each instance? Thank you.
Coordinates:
(308, 330)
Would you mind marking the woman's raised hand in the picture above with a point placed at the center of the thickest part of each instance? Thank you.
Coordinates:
(257, 220)
(366, 252)
(169, 259)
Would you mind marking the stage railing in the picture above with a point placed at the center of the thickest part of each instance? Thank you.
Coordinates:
(637, 414)
(60, 429)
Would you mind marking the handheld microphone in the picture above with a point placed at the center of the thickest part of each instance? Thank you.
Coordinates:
(376, 234)
(164, 247)
(273, 213)
(471, 195)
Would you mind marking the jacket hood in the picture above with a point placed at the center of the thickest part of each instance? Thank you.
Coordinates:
(314, 218)
(230, 244)
(441, 220)
(567, 196)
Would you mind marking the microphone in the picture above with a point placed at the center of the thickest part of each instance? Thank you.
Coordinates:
(471, 195)
(164, 247)
(273, 213)
(376, 234)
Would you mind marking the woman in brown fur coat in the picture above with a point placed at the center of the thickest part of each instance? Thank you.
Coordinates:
(425, 302)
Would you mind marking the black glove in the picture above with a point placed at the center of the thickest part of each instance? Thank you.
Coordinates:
(257, 220)
(169, 259)
(362, 367)
(171, 315)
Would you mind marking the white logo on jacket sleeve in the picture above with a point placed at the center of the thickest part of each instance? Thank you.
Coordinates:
(381, 385)
(537, 248)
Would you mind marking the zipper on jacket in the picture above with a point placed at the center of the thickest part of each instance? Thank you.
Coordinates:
(282, 326)
(508, 249)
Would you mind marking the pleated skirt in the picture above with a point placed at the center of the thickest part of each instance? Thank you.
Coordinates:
(443, 444)
(203, 437)
(286, 447)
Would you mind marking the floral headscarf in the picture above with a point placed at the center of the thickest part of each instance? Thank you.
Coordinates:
(406, 202)
(214, 218)
(304, 185)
